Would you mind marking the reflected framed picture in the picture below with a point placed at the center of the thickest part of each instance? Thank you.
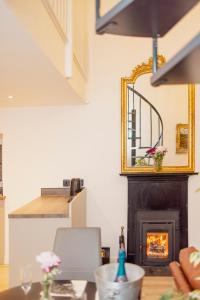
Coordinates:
(181, 138)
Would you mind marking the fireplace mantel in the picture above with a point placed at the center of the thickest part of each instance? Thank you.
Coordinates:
(156, 192)
(158, 174)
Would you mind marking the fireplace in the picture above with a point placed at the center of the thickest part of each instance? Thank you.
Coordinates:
(157, 220)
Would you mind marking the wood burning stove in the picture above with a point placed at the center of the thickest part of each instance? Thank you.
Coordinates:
(157, 234)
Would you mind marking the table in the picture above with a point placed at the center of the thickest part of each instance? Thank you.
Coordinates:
(17, 293)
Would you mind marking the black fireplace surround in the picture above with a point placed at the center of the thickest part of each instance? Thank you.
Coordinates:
(156, 203)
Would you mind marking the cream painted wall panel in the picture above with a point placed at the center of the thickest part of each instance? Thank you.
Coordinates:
(26, 72)
(81, 10)
(80, 22)
(45, 33)
(55, 40)
(59, 8)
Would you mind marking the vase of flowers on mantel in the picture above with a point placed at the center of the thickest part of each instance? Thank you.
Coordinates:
(157, 153)
(49, 265)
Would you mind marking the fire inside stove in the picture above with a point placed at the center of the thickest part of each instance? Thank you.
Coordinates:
(157, 244)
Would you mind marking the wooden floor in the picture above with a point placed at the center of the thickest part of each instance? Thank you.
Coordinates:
(153, 287)
(3, 277)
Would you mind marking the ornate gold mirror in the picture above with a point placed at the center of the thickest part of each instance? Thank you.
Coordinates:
(154, 117)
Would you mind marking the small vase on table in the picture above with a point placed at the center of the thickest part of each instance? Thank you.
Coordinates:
(49, 265)
(46, 287)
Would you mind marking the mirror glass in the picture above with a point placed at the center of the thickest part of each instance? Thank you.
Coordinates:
(154, 117)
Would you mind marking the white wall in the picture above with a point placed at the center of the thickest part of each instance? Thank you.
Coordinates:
(44, 145)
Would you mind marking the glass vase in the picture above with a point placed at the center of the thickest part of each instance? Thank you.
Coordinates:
(158, 165)
(46, 287)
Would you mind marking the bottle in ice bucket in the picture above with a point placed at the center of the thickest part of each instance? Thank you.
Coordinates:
(121, 271)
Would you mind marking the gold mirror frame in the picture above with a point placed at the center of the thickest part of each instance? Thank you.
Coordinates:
(146, 68)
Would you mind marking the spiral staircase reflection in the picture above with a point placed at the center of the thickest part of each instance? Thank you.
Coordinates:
(145, 127)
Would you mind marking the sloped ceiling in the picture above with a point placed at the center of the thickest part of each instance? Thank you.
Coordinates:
(25, 72)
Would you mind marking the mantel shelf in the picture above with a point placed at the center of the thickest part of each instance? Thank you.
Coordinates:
(182, 68)
(144, 18)
(158, 174)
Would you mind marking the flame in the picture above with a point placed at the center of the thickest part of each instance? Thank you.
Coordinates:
(157, 244)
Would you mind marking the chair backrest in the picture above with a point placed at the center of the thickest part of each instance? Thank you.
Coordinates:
(80, 252)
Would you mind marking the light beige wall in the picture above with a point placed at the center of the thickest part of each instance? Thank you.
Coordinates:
(2, 231)
(44, 145)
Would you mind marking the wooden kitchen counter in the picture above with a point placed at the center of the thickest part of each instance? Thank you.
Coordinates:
(44, 207)
(32, 229)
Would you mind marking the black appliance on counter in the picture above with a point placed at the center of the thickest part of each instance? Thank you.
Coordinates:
(76, 185)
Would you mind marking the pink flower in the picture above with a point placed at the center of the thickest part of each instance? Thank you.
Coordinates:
(151, 151)
(156, 152)
(48, 261)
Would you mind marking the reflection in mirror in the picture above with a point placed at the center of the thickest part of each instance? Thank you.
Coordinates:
(141, 135)
(152, 117)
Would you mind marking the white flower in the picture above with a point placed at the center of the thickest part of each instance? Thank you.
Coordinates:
(48, 260)
(161, 149)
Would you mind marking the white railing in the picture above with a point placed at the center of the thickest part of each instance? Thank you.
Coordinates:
(58, 11)
(65, 15)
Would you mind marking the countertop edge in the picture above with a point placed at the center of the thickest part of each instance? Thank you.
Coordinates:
(36, 216)
(35, 208)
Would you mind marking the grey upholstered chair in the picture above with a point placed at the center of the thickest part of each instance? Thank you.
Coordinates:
(80, 252)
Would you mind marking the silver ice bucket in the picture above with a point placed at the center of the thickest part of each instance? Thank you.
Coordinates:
(108, 289)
